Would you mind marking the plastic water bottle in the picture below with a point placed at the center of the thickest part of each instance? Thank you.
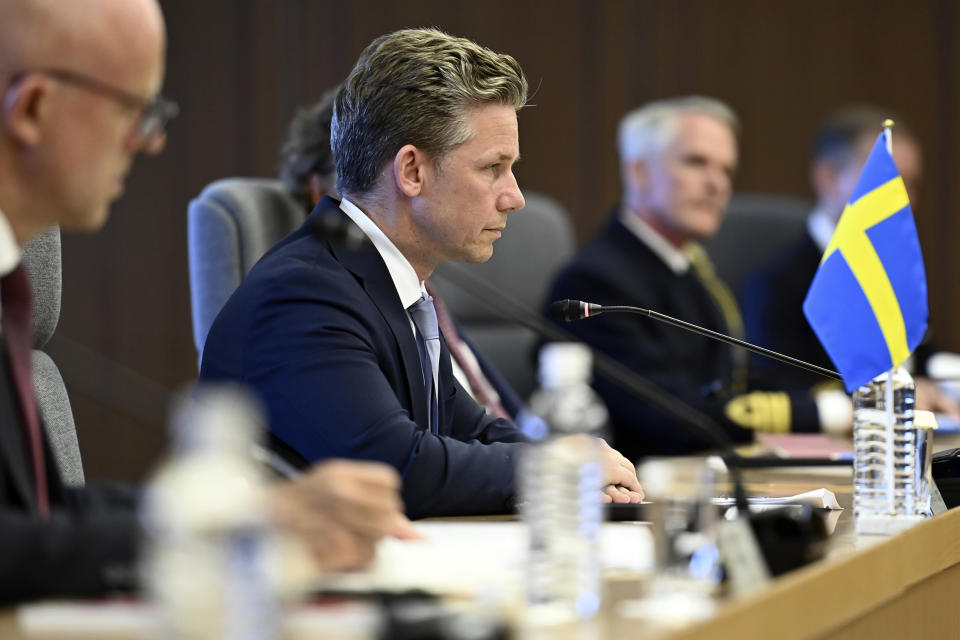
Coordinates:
(210, 565)
(561, 482)
(889, 488)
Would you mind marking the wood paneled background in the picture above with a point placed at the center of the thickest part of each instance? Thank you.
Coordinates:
(240, 67)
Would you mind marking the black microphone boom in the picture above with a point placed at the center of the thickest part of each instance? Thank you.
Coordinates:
(705, 426)
(697, 423)
(570, 310)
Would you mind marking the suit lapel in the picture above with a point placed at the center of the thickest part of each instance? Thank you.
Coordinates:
(365, 263)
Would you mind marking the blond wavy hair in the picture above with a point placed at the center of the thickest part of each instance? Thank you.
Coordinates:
(415, 86)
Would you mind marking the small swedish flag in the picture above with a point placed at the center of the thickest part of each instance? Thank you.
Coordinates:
(868, 300)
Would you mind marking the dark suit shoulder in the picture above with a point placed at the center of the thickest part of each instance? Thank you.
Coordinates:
(605, 270)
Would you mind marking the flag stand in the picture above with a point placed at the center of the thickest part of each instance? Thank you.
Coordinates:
(895, 520)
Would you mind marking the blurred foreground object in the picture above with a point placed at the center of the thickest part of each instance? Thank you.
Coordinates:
(561, 483)
(211, 563)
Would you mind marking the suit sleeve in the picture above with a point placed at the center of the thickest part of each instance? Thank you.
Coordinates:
(329, 377)
(85, 548)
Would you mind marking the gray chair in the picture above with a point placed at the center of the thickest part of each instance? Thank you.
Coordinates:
(538, 241)
(42, 262)
(756, 227)
(230, 225)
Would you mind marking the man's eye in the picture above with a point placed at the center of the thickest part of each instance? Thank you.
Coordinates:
(495, 168)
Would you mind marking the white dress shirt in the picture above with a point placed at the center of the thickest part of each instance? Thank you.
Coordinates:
(674, 258)
(820, 226)
(408, 284)
(10, 252)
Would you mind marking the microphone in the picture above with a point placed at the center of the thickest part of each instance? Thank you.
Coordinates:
(571, 310)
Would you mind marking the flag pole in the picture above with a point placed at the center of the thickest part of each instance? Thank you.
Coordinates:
(888, 135)
(888, 389)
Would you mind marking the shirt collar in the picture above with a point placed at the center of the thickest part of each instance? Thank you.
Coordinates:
(404, 277)
(674, 258)
(10, 251)
(820, 227)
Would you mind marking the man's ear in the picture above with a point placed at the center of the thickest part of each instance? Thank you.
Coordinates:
(408, 170)
(638, 174)
(23, 105)
(823, 179)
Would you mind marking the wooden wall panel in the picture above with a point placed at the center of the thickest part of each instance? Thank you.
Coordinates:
(240, 67)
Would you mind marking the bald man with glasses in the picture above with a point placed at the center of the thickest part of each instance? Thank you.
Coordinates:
(81, 101)
(154, 112)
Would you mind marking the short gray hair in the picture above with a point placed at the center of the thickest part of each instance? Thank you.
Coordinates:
(645, 132)
(415, 86)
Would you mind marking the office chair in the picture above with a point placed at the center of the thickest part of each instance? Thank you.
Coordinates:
(756, 227)
(230, 225)
(42, 262)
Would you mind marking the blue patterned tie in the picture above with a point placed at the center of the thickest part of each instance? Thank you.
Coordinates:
(428, 342)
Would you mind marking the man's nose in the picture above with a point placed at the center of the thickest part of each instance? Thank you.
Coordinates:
(718, 180)
(512, 199)
(153, 144)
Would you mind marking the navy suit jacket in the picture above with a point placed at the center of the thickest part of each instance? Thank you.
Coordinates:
(87, 544)
(771, 298)
(318, 330)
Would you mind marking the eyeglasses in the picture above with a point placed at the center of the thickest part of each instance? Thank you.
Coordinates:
(154, 112)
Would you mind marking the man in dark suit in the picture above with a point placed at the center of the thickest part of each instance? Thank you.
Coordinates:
(308, 171)
(77, 109)
(772, 295)
(339, 337)
(677, 161)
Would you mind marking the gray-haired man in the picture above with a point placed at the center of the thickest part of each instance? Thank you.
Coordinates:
(677, 162)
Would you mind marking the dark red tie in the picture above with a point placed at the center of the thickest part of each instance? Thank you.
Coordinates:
(15, 312)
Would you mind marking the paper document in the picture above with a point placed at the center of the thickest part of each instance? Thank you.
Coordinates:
(472, 558)
(818, 498)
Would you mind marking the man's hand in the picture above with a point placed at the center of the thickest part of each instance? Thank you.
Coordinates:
(930, 398)
(619, 476)
(340, 509)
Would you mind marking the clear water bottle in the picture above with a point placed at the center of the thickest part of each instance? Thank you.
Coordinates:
(560, 484)
(210, 562)
(889, 488)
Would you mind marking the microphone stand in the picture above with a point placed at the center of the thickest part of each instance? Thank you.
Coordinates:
(570, 310)
(638, 386)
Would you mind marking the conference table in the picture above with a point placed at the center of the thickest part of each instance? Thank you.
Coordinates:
(902, 586)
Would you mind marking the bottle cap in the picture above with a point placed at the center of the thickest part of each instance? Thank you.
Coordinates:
(224, 417)
(564, 363)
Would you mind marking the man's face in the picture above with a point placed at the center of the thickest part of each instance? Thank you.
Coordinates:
(684, 192)
(94, 137)
(834, 186)
(463, 206)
